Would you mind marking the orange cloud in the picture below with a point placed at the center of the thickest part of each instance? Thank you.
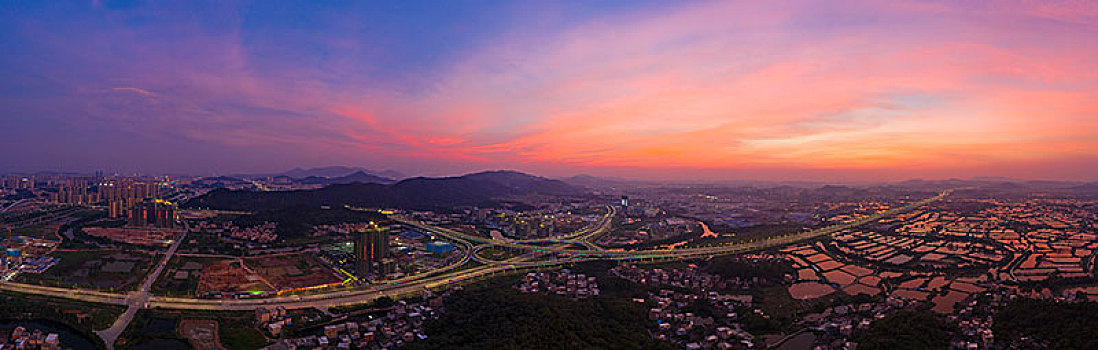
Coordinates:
(863, 86)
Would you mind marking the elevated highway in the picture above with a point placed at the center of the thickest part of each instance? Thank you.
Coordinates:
(682, 252)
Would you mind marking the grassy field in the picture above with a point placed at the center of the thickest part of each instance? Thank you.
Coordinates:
(234, 328)
(167, 285)
(37, 231)
(208, 243)
(241, 337)
(83, 316)
(73, 271)
(497, 254)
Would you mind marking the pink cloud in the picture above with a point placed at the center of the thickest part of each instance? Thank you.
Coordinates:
(688, 90)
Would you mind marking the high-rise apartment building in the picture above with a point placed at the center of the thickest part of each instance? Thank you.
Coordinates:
(155, 213)
(371, 251)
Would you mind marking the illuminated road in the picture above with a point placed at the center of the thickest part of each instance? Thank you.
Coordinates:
(581, 237)
(17, 203)
(460, 272)
(681, 253)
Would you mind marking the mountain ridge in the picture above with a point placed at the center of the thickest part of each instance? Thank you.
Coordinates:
(414, 193)
(330, 172)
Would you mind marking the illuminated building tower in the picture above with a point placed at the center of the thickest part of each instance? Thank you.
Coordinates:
(360, 253)
(371, 248)
(163, 214)
(156, 213)
(117, 209)
(72, 191)
(138, 215)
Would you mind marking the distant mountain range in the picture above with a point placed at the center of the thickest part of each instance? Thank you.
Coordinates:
(421, 192)
(356, 177)
(331, 175)
(597, 181)
(340, 171)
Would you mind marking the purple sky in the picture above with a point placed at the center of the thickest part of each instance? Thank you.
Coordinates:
(828, 90)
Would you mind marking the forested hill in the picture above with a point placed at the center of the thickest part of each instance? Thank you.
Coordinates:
(472, 189)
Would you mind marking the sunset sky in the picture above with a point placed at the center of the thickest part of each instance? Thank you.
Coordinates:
(680, 90)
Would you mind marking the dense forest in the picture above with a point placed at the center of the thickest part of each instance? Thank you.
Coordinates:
(1048, 324)
(415, 193)
(299, 220)
(734, 266)
(501, 318)
(493, 315)
(915, 330)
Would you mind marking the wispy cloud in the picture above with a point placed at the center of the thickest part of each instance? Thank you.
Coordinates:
(138, 91)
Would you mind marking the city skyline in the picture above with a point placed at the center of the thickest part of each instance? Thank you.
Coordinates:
(846, 91)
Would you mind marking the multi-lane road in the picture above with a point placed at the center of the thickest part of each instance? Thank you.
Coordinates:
(137, 300)
(534, 254)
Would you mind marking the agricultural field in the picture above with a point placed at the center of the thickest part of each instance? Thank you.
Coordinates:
(181, 276)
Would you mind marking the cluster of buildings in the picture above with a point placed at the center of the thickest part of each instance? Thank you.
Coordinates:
(22, 339)
(124, 193)
(406, 251)
(678, 313)
(25, 255)
(372, 255)
(9, 182)
(262, 233)
(689, 277)
(835, 326)
(529, 224)
(137, 200)
(731, 207)
(74, 191)
(677, 322)
(150, 213)
(563, 282)
(273, 320)
(977, 317)
(340, 229)
(523, 225)
(640, 209)
(38, 264)
(121, 194)
(515, 224)
(649, 228)
(402, 324)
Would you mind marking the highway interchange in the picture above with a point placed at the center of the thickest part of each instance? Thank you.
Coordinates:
(532, 254)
